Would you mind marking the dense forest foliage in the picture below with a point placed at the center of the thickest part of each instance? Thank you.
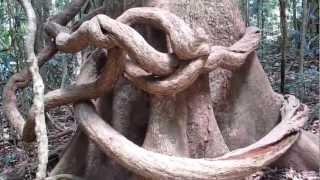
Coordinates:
(289, 52)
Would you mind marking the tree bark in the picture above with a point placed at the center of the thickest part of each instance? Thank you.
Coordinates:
(284, 42)
(294, 15)
(184, 130)
(304, 155)
(259, 10)
(42, 9)
(302, 46)
(247, 12)
(241, 122)
(37, 109)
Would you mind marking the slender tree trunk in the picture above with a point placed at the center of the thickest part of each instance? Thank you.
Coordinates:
(260, 24)
(294, 15)
(64, 73)
(302, 46)
(262, 29)
(259, 2)
(53, 9)
(247, 12)
(284, 42)
(42, 9)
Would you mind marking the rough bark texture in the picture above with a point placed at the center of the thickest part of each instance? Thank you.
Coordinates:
(204, 136)
(284, 41)
(167, 127)
(37, 108)
(74, 158)
(238, 163)
(184, 118)
(249, 108)
(303, 155)
(200, 121)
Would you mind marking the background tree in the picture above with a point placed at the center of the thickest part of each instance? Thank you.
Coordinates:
(302, 46)
(284, 42)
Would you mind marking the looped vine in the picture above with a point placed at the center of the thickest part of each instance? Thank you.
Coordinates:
(149, 69)
(153, 71)
(159, 73)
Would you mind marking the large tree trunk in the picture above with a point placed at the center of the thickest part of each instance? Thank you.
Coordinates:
(183, 125)
(192, 111)
(218, 112)
(245, 106)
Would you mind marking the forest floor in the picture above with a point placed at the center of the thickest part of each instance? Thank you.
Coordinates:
(17, 158)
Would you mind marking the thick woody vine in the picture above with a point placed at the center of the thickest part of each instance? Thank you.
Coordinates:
(126, 53)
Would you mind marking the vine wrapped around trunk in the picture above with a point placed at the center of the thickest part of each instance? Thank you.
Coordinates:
(136, 90)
